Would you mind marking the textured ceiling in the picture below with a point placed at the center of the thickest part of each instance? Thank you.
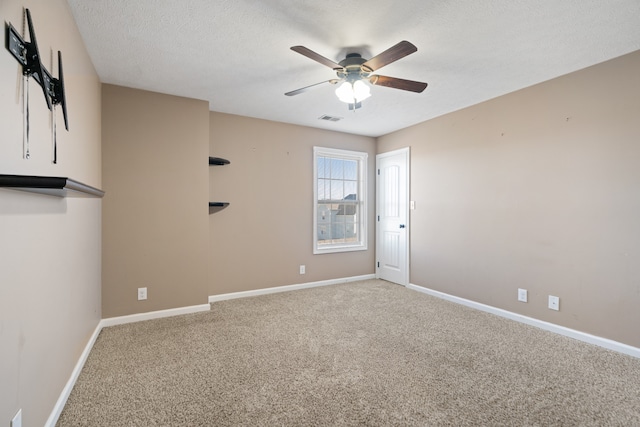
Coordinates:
(236, 53)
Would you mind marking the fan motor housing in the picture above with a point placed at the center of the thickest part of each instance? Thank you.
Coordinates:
(352, 67)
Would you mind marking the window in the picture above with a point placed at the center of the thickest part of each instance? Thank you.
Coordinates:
(340, 209)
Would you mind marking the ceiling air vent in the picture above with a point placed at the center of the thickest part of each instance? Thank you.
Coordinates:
(329, 118)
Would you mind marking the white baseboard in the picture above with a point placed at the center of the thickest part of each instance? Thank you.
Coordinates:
(66, 391)
(121, 320)
(572, 333)
(245, 294)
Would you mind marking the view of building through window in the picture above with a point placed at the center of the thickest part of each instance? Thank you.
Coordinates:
(338, 199)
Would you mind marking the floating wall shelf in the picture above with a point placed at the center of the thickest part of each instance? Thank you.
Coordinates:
(217, 206)
(50, 185)
(217, 161)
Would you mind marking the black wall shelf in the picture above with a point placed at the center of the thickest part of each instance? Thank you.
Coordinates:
(218, 161)
(50, 185)
(217, 206)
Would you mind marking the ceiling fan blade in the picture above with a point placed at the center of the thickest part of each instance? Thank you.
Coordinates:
(316, 57)
(306, 88)
(390, 55)
(397, 83)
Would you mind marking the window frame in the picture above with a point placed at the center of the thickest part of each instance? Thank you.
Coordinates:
(362, 160)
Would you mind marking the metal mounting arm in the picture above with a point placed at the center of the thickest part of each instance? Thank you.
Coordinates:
(27, 54)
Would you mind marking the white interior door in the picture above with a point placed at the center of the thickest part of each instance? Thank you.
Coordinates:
(392, 215)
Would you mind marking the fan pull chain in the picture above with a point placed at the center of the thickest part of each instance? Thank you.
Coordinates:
(25, 117)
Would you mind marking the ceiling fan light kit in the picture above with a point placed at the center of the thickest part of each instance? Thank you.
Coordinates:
(353, 93)
(354, 73)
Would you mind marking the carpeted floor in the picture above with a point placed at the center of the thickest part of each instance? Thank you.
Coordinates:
(365, 353)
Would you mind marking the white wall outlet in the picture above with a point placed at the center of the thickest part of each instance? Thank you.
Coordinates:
(16, 421)
(554, 303)
(412, 204)
(522, 295)
(303, 269)
(142, 294)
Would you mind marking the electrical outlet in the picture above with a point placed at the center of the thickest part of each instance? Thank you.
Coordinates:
(522, 295)
(142, 294)
(303, 269)
(554, 303)
(412, 204)
(16, 421)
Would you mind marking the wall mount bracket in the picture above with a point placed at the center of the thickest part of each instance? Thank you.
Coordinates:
(27, 54)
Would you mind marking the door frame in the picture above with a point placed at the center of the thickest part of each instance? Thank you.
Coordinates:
(407, 156)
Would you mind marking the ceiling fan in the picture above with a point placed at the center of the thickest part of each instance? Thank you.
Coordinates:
(354, 70)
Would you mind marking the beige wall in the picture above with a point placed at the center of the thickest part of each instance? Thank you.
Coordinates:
(155, 216)
(260, 240)
(537, 189)
(49, 247)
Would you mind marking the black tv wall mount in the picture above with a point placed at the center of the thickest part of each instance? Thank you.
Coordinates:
(27, 54)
